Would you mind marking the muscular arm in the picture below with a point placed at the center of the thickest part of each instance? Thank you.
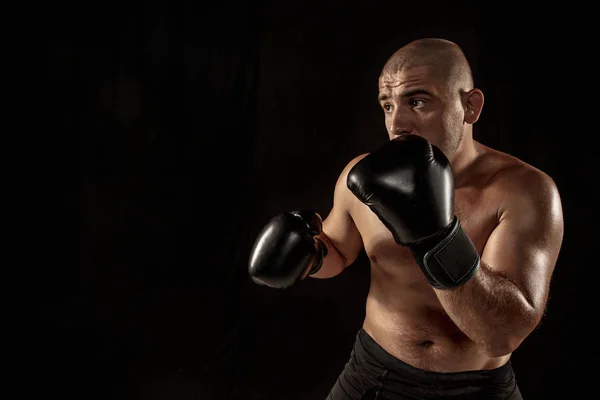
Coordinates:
(505, 300)
(343, 240)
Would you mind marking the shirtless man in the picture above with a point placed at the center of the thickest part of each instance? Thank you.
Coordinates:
(462, 239)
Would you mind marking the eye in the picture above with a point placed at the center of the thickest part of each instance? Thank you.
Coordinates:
(387, 107)
(417, 103)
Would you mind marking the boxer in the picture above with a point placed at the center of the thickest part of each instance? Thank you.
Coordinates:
(462, 240)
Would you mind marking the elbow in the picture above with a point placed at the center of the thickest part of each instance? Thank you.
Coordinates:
(501, 347)
(506, 342)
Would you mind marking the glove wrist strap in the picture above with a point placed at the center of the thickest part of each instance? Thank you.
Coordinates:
(452, 261)
(322, 247)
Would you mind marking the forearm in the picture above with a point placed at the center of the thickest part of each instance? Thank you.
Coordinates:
(491, 310)
(334, 263)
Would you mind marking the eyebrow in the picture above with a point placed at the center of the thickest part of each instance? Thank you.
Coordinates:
(408, 93)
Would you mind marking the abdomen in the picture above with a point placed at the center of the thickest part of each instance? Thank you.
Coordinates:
(405, 317)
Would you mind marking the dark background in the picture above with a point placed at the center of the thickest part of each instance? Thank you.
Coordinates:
(178, 128)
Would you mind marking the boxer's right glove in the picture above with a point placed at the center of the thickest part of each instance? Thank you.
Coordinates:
(409, 184)
(286, 249)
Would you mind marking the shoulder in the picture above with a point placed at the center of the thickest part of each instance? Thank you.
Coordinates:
(342, 195)
(517, 177)
(344, 174)
(522, 188)
(354, 161)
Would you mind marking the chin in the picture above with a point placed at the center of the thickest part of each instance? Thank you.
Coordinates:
(435, 141)
(447, 148)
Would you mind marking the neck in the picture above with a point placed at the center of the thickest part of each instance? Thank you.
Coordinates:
(464, 156)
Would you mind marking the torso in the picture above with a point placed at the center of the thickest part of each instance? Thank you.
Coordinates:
(403, 313)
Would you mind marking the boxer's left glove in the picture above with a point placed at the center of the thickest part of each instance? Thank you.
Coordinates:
(286, 249)
(408, 183)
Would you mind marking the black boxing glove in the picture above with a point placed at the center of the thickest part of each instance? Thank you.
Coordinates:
(286, 249)
(408, 183)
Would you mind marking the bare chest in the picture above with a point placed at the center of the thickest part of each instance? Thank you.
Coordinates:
(477, 214)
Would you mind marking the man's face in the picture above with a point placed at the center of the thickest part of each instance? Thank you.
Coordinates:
(414, 101)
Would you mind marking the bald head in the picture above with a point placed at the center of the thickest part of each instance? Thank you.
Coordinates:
(444, 59)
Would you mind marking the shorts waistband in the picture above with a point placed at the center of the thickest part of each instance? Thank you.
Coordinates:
(499, 375)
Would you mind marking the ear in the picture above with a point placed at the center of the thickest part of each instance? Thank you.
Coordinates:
(473, 103)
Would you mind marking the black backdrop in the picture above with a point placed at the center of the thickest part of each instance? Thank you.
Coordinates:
(178, 128)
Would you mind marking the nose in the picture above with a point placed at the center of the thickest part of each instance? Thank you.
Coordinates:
(400, 124)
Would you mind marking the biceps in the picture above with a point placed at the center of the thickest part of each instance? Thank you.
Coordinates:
(525, 254)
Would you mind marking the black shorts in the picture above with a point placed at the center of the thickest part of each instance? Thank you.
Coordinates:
(373, 373)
